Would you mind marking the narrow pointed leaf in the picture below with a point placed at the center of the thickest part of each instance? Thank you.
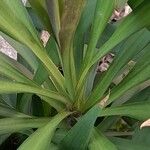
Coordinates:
(103, 12)
(69, 21)
(133, 110)
(10, 125)
(54, 15)
(15, 87)
(125, 29)
(6, 111)
(79, 136)
(7, 68)
(84, 23)
(128, 50)
(139, 74)
(122, 32)
(123, 144)
(39, 6)
(100, 142)
(15, 10)
(24, 51)
(41, 138)
(40, 76)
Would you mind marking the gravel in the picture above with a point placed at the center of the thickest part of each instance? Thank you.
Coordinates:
(7, 49)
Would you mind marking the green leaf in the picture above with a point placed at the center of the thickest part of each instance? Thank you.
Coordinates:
(24, 51)
(100, 142)
(22, 21)
(41, 138)
(69, 21)
(133, 110)
(39, 25)
(79, 135)
(107, 123)
(15, 87)
(137, 94)
(123, 144)
(134, 3)
(39, 6)
(54, 15)
(10, 125)
(103, 12)
(9, 68)
(141, 95)
(84, 23)
(128, 50)
(53, 51)
(107, 33)
(22, 61)
(139, 73)
(140, 140)
(125, 29)
(15, 10)
(122, 32)
(59, 106)
(8, 99)
(6, 111)
(141, 136)
(41, 75)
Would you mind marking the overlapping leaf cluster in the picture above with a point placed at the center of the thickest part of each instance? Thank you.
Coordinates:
(57, 90)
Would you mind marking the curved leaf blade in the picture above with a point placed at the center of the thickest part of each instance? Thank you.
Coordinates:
(15, 87)
(41, 138)
(100, 142)
(79, 136)
(133, 110)
(10, 125)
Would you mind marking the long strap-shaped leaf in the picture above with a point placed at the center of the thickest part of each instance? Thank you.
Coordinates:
(54, 15)
(123, 30)
(134, 110)
(132, 23)
(84, 23)
(139, 74)
(79, 136)
(69, 22)
(14, 18)
(100, 142)
(128, 50)
(23, 50)
(6, 111)
(7, 68)
(103, 12)
(10, 125)
(15, 87)
(39, 7)
(40, 76)
(41, 138)
(123, 144)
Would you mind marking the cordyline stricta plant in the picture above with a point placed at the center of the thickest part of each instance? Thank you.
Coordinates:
(54, 96)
